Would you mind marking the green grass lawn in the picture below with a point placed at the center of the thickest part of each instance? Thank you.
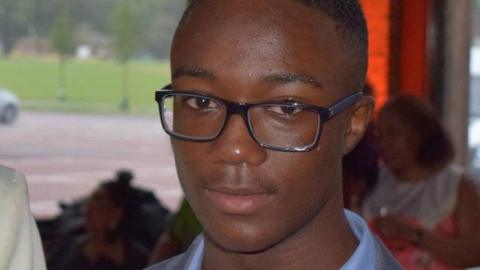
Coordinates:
(91, 86)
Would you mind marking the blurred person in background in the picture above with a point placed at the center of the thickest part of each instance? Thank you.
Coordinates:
(179, 234)
(107, 244)
(147, 218)
(423, 207)
(20, 245)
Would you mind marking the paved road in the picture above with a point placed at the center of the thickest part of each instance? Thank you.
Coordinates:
(65, 155)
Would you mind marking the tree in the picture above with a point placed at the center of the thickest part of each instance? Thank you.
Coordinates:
(62, 40)
(38, 15)
(158, 20)
(125, 42)
(11, 25)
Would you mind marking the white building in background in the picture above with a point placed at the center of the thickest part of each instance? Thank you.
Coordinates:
(474, 128)
(83, 52)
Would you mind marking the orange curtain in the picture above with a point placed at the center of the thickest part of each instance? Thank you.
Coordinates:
(413, 46)
(378, 17)
(403, 64)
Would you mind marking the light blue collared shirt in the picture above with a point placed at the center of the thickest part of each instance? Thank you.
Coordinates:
(370, 254)
(362, 258)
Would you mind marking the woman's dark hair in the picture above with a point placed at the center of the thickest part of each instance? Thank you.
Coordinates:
(120, 193)
(434, 145)
(143, 216)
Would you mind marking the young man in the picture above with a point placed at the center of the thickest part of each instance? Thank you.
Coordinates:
(263, 105)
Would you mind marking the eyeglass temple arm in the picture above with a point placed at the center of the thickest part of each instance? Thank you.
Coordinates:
(343, 104)
(167, 87)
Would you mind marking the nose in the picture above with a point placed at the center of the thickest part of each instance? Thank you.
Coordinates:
(236, 146)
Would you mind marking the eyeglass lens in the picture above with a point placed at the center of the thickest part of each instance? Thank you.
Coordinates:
(284, 125)
(192, 116)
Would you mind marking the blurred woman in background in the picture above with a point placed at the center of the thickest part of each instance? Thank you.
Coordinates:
(107, 244)
(423, 207)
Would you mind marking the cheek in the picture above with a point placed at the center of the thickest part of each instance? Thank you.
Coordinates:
(183, 165)
(304, 189)
(310, 180)
(191, 162)
(309, 172)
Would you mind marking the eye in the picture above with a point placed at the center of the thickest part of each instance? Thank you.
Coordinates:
(201, 103)
(285, 111)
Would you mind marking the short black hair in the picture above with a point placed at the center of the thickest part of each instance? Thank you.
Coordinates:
(348, 15)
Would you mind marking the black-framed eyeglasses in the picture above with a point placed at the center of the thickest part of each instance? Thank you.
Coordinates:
(287, 125)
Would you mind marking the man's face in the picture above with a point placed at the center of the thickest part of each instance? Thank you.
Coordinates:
(249, 198)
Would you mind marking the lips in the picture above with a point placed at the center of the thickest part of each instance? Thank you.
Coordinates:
(238, 200)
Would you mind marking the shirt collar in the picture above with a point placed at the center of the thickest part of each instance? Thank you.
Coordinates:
(197, 258)
(364, 256)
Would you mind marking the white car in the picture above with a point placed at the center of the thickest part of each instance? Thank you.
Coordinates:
(9, 107)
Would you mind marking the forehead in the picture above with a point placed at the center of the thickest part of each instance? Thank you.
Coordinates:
(248, 38)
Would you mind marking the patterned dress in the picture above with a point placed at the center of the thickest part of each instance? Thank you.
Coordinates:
(428, 204)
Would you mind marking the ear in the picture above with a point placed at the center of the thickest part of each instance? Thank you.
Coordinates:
(358, 122)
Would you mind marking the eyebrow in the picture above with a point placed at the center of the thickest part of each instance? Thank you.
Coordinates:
(283, 78)
(193, 72)
(293, 77)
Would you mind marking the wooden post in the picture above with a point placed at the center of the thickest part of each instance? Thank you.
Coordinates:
(457, 75)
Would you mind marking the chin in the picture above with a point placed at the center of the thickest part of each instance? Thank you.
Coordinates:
(242, 238)
(240, 244)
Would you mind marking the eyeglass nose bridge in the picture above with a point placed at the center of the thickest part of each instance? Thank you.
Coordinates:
(240, 109)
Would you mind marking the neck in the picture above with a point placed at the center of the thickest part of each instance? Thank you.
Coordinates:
(326, 242)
